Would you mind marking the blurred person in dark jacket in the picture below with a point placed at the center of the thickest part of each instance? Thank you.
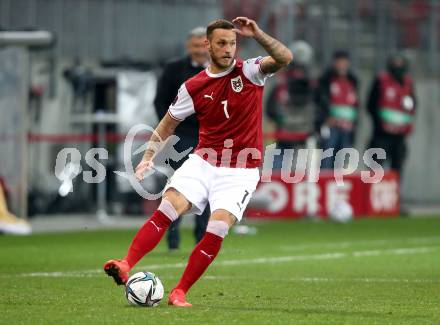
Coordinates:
(392, 106)
(174, 74)
(337, 105)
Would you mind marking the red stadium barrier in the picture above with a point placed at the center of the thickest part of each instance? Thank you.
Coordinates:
(304, 198)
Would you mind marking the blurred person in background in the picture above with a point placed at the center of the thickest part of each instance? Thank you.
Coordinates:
(337, 105)
(288, 102)
(174, 74)
(9, 223)
(392, 106)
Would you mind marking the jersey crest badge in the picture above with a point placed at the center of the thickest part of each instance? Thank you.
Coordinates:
(237, 84)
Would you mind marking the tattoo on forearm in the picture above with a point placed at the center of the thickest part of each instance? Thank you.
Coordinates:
(277, 50)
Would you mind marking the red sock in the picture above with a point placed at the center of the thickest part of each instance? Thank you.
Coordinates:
(202, 255)
(147, 237)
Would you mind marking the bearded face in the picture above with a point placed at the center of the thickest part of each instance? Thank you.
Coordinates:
(222, 46)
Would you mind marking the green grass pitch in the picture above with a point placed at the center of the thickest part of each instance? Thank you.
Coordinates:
(370, 271)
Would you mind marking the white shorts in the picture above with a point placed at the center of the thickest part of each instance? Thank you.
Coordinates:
(224, 188)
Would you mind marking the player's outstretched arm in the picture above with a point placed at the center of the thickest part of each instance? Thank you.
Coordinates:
(164, 129)
(280, 55)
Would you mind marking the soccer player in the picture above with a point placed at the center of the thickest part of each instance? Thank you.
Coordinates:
(227, 100)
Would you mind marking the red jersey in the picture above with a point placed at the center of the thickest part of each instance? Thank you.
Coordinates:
(228, 106)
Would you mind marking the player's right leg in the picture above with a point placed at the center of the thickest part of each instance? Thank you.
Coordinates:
(202, 255)
(172, 206)
(229, 193)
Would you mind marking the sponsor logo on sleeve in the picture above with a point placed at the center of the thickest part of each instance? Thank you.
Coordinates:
(175, 100)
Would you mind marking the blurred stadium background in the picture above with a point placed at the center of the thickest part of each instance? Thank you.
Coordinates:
(80, 73)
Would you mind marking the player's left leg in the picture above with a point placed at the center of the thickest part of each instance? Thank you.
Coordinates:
(149, 235)
(186, 191)
(203, 255)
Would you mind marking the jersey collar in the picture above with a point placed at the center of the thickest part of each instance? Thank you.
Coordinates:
(221, 74)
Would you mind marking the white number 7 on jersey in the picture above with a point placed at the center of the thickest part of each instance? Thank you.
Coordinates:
(225, 107)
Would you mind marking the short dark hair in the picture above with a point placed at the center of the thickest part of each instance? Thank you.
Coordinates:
(218, 24)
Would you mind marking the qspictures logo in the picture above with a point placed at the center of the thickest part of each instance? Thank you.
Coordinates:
(69, 162)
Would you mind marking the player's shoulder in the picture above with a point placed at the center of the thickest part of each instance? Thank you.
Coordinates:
(197, 81)
(252, 71)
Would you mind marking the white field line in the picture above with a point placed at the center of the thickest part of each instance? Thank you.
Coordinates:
(321, 279)
(346, 244)
(261, 260)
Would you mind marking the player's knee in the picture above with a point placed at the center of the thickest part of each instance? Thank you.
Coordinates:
(177, 200)
(218, 227)
(223, 215)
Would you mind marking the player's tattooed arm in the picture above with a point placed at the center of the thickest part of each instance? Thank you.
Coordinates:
(280, 55)
(163, 131)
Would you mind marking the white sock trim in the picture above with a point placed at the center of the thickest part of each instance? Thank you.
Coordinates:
(218, 227)
(167, 209)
